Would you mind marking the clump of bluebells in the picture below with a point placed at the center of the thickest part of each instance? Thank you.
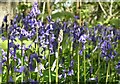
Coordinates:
(36, 41)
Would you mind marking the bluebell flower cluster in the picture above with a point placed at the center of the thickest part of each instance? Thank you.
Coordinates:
(102, 38)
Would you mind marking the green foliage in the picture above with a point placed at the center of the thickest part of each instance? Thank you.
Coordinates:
(63, 15)
(115, 23)
(3, 44)
(91, 12)
(23, 7)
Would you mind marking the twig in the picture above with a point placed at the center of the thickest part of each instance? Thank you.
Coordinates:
(43, 11)
(48, 6)
(102, 8)
(77, 6)
(111, 7)
(109, 17)
(80, 12)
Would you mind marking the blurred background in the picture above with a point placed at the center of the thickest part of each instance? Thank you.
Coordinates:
(90, 12)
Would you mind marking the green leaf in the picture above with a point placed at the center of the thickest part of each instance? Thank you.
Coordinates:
(3, 44)
(115, 23)
(18, 77)
(63, 14)
(23, 7)
(42, 15)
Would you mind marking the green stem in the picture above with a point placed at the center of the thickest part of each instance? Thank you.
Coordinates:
(80, 21)
(14, 63)
(1, 75)
(29, 67)
(48, 7)
(71, 51)
(49, 65)
(0, 78)
(0, 65)
(29, 72)
(49, 69)
(78, 5)
(108, 67)
(42, 79)
(84, 68)
(37, 49)
(98, 67)
(22, 59)
(37, 72)
(111, 77)
(110, 9)
(57, 62)
(15, 77)
(43, 11)
(7, 74)
(78, 68)
(29, 75)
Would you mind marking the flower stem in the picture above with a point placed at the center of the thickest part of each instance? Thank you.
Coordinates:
(22, 59)
(49, 69)
(78, 68)
(108, 67)
(7, 74)
(37, 65)
(37, 49)
(84, 68)
(71, 51)
(57, 60)
(48, 7)
(43, 11)
(0, 67)
(98, 67)
(14, 77)
(29, 67)
(14, 62)
(0, 78)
